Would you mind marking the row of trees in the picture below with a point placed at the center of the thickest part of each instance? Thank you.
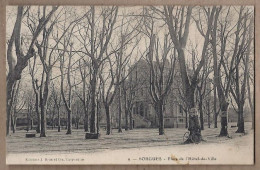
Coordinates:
(88, 55)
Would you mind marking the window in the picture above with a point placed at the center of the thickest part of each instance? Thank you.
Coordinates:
(167, 120)
(181, 110)
(141, 109)
(181, 120)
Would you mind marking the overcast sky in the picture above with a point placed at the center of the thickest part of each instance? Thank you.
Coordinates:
(195, 39)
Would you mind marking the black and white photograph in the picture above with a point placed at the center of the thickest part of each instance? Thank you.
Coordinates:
(159, 85)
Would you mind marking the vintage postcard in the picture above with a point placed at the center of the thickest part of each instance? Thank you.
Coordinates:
(130, 85)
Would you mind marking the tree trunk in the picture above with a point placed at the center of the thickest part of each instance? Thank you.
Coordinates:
(8, 115)
(250, 99)
(31, 123)
(215, 108)
(43, 102)
(10, 86)
(69, 121)
(126, 112)
(223, 131)
(126, 119)
(58, 120)
(238, 118)
(253, 119)
(85, 118)
(201, 113)
(43, 119)
(38, 128)
(13, 123)
(15, 70)
(240, 123)
(189, 88)
(186, 121)
(85, 101)
(223, 104)
(131, 118)
(93, 103)
(119, 111)
(250, 102)
(208, 120)
(161, 118)
(208, 110)
(194, 124)
(52, 123)
(108, 120)
(224, 121)
(98, 110)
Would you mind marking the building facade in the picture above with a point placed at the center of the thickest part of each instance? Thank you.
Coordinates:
(143, 111)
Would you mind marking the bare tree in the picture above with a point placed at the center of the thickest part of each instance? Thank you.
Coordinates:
(85, 93)
(67, 102)
(50, 111)
(16, 64)
(114, 80)
(238, 85)
(228, 60)
(161, 74)
(250, 81)
(203, 88)
(56, 96)
(107, 94)
(130, 87)
(126, 100)
(223, 102)
(49, 55)
(208, 109)
(127, 36)
(178, 25)
(122, 59)
(48, 59)
(17, 105)
(36, 89)
(215, 107)
(96, 48)
(29, 100)
(77, 110)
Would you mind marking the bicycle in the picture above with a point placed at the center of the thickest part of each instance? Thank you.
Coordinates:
(195, 137)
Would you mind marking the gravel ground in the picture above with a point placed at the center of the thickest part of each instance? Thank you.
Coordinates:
(59, 142)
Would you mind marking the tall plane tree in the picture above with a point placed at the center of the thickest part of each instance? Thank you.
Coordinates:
(239, 83)
(107, 94)
(17, 63)
(178, 21)
(94, 36)
(161, 61)
(17, 105)
(65, 41)
(48, 57)
(128, 40)
(36, 89)
(84, 98)
(161, 74)
(67, 99)
(225, 57)
(56, 97)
